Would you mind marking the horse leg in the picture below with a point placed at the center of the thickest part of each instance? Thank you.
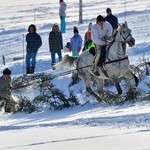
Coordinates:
(89, 89)
(117, 85)
(75, 78)
(100, 84)
(136, 80)
(130, 75)
(87, 79)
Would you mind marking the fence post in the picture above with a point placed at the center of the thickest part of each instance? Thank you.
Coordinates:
(3, 57)
(23, 48)
(80, 11)
(34, 16)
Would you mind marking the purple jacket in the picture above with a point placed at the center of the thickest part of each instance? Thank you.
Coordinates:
(76, 42)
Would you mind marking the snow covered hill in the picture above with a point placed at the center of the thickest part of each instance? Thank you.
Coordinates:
(96, 126)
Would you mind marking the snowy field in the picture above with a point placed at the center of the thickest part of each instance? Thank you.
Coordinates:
(92, 126)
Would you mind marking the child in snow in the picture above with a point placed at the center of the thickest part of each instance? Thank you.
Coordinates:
(87, 39)
(76, 43)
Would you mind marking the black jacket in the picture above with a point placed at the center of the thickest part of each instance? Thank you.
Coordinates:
(113, 20)
(34, 42)
(55, 41)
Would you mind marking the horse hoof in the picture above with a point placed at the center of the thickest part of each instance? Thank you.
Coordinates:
(119, 92)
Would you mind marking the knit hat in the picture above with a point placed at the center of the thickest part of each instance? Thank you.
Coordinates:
(6, 71)
(90, 26)
(66, 49)
(75, 30)
(100, 18)
(68, 45)
(60, 1)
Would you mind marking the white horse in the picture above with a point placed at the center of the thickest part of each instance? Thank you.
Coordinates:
(116, 63)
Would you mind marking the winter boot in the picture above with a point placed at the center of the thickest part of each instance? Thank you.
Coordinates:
(27, 70)
(32, 70)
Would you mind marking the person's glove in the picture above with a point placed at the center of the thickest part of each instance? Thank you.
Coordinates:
(79, 49)
(12, 87)
(106, 37)
(107, 43)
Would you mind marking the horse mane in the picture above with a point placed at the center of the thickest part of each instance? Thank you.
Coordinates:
(112, 38)
(113, 35)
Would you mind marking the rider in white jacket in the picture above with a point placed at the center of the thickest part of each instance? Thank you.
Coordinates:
(100, 33)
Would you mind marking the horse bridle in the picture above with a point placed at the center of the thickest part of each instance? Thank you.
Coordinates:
(125, 38)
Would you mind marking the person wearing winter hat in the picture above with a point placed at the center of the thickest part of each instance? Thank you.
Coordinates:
(6, 89)
(88, 33)
(62, 15)
(87, 38)
(100, 34)
(6, 72)
(76, 43)
(5, 82)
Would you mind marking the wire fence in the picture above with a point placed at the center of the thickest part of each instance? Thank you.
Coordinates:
(13, 47)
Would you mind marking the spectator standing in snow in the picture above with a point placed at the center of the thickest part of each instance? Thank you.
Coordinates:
(76, 43)
(5, 91)
(62, 15)
(34, 42)
(55, 43)
(87, 38)
(113, 20)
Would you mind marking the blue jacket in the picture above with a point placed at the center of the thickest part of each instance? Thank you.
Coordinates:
(113, 20)
(34, 42)
(76, 42)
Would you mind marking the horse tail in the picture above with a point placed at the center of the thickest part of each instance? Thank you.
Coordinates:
(67, 61)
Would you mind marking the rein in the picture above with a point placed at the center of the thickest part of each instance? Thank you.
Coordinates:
(126, 37)
(116, 60)
(49, 78)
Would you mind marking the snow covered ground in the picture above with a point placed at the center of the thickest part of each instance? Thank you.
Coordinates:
(82, 127)
(95, 126)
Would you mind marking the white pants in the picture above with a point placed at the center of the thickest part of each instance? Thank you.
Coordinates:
(97, 56)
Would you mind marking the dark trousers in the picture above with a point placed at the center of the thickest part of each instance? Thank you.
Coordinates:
(102, 56)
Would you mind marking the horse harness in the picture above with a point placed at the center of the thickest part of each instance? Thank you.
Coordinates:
(116, 60)
(93, 52)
